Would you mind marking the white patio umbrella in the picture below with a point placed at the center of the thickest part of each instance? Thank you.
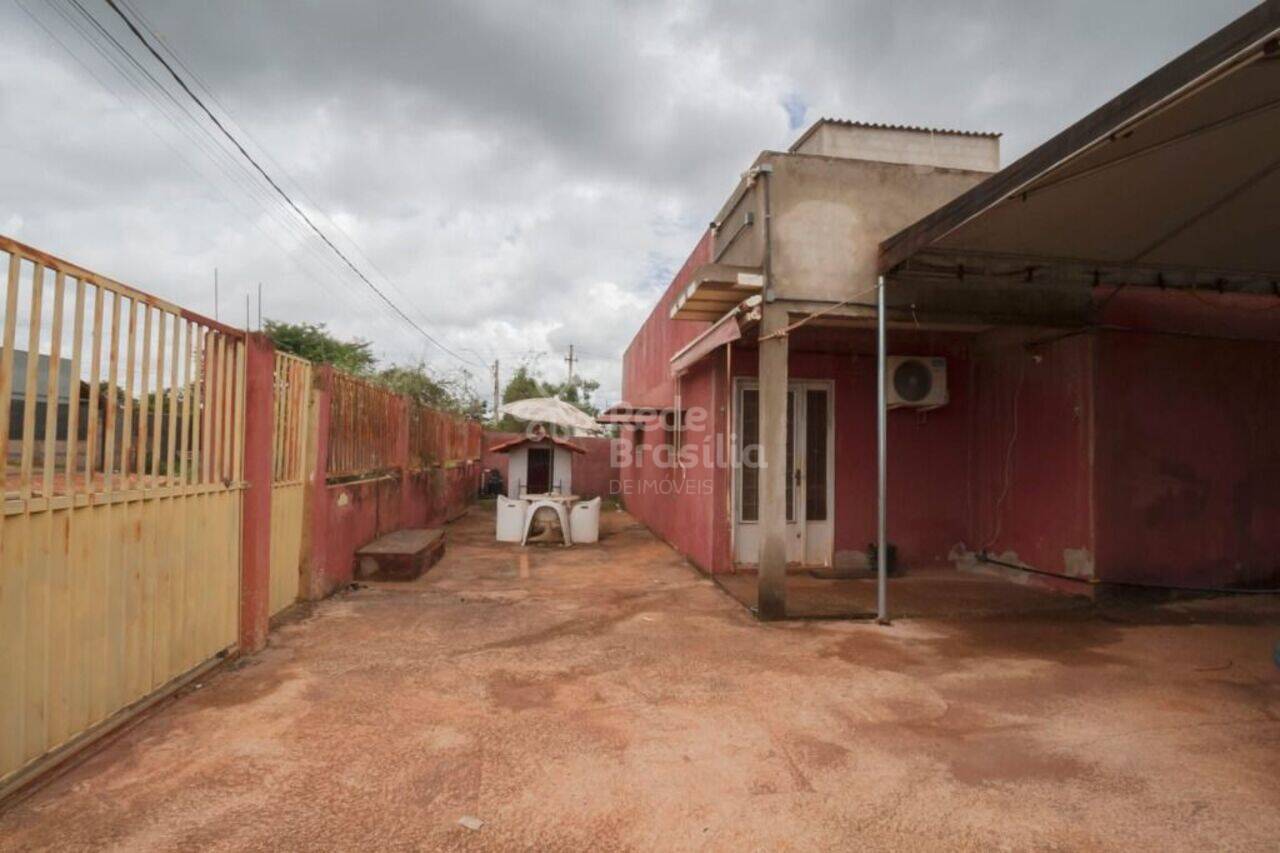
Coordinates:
(551, 410)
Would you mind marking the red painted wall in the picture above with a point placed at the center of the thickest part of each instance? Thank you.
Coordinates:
(497, 461)
(686, 505)
(1032, 478)
(354, 514)
(928, 452)
(593, 472)
(1189, 460)
(255, 537)
(646, 380)
(691, 508)
(1142, 451)
(344, 517)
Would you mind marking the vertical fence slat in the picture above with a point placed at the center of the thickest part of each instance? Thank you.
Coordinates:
(6, 365)
(190, 407)
(201, 423)
(157, 421)
(237, 424)
(53, 389)
(213, 402)
(300, 414)
(226, 449)
(31, 388)
(113, 370)
(95, 378)
(171, 457)
(300, 434)
(277, 417)
(73, 392)
(295, 378)
(144, 388)
(130, 366)
(284, 399)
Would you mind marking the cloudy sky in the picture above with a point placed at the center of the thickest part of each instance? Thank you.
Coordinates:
(517, 177)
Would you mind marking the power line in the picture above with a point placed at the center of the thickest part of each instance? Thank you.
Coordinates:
(274, 185)
(200, 137)
(231, 168)
(262, 150)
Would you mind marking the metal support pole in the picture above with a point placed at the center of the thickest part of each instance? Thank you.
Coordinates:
(882, 446)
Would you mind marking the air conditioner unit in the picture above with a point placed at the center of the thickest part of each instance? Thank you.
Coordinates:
(918, 382)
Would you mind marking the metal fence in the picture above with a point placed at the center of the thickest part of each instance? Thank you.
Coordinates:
(123, 537)
(121, 446)
(291, 388)
(438, 439)
(364, 428)
(367, 423)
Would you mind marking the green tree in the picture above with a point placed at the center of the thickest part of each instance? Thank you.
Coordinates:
(312, 341)
(315, 343)
(577, 391)
(446, 393)
(525, 383)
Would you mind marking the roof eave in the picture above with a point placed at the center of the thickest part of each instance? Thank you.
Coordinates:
(1221, 52)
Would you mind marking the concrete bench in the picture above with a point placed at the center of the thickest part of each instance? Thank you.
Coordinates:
(400, 556)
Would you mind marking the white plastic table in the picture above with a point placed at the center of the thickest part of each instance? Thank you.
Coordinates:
(560, 503)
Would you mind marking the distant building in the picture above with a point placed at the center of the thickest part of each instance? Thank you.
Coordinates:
(18, 408)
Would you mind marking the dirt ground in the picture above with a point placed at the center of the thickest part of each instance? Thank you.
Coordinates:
(611, 697)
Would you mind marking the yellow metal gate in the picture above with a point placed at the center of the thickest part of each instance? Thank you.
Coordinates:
(121, 439)
(289, 476)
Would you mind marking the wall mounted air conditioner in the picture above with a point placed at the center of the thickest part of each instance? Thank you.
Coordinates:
(918, 382)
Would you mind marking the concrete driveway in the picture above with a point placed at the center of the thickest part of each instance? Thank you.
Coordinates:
(610, 697)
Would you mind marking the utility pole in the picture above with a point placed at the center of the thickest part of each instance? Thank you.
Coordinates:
(259, 306)
(570, 359)
(215, 293)
(495, 391)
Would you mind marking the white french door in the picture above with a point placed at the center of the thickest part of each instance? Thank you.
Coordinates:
(810, 496)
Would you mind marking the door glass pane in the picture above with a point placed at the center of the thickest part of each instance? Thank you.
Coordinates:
(749, 456)
(749, 445)
(815, 463)
(539, 471)
(791, 456)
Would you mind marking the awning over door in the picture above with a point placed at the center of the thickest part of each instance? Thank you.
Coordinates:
(726, 330)
(625, 414)
(715, 289)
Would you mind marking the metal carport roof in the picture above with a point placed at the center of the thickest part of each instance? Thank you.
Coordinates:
(1175, 182)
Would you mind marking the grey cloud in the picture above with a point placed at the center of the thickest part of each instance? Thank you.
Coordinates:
(529, 176)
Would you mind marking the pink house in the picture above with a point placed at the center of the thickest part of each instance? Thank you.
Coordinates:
(1082, 348)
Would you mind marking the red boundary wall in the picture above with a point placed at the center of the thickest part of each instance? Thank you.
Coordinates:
(345, 516)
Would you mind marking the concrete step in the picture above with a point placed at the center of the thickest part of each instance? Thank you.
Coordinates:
(400, 556)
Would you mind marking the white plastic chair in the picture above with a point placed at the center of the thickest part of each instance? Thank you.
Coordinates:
(584, 521)
(511, 519)
(534, 506)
